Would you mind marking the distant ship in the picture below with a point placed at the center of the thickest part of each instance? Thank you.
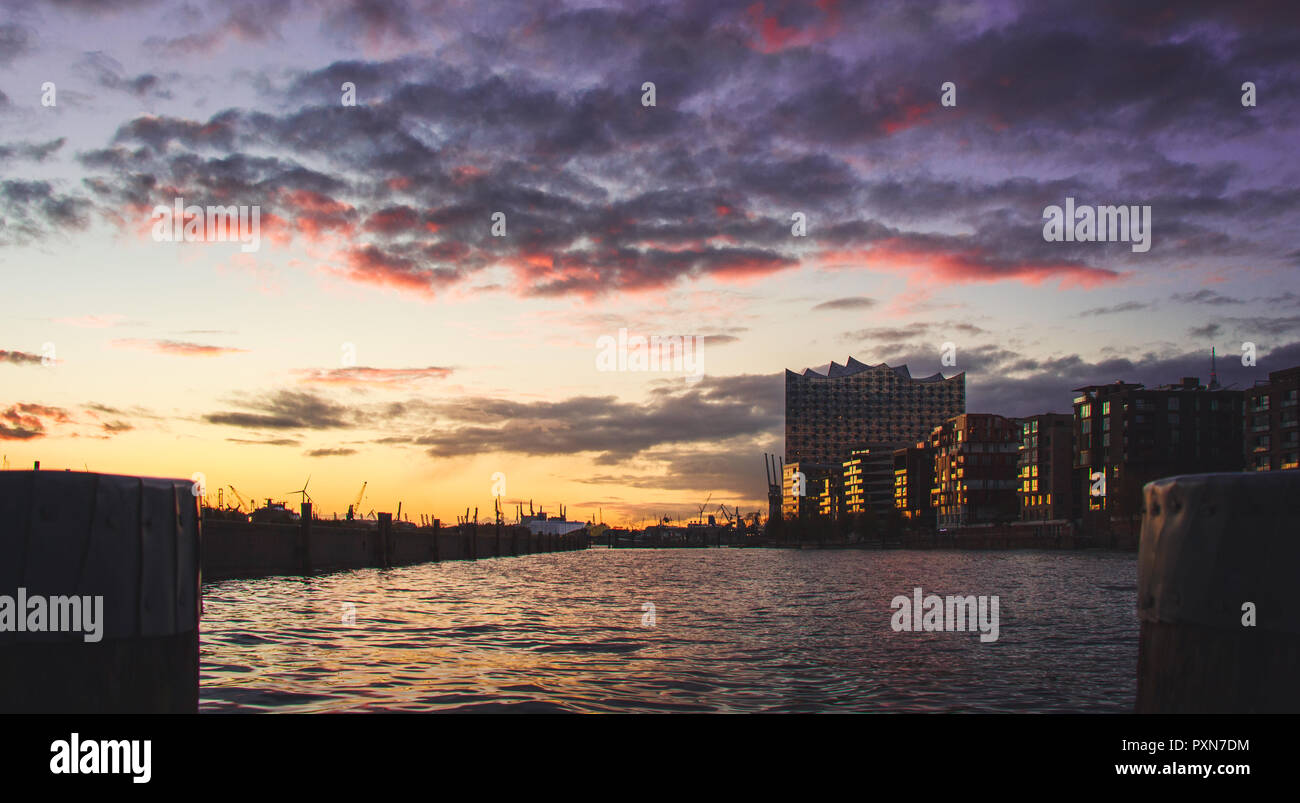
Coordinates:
(275, 513)
(540, 524)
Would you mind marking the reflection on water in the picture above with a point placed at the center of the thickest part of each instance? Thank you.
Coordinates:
(735, 630)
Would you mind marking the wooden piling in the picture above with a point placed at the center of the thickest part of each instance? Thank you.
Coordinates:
(131, 546)
(305, 543)
(385, 533)
(1220, 622)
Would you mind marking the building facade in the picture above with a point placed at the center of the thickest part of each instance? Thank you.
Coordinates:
(855, 498)
(913, 483)
(857, 406)
(868, 481)
(1272, 431)
(1047, 468)
(975, 468)
(804, 487)
(1127, 435)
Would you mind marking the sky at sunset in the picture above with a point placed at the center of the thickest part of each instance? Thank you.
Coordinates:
(381, 333)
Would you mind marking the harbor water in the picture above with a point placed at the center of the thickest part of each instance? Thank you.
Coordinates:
(692, 630)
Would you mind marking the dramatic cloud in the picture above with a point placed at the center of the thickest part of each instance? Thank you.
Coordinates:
(601, 196)
(710, 412)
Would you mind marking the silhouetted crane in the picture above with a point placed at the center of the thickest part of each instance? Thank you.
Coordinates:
(706, 504)
(354, 509)
(240, 499)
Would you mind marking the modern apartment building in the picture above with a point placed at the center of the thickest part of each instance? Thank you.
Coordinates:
(855, 498)
(913, 482)
(1127, 435)
(1047, 490)
(868, 480)
(804, 495)
(975, 468)
(1272, 429)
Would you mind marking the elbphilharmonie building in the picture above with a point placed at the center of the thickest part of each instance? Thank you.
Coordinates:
(857, 406)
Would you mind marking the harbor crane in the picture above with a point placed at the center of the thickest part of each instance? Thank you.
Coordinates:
(775, 471)
(726, 514)
(354, 509)
(703, 506)
(240, 499)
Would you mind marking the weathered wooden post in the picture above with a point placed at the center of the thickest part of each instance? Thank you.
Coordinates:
(385, 532)
(119, 558)
(1220, 619)
(305, 544)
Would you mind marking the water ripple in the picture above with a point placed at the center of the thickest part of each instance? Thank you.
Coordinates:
(735, 631)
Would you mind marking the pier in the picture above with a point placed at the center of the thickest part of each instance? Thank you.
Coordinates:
(234, 549)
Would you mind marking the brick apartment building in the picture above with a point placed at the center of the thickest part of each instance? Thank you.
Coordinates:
(975, 468)
(913, 482)
(817, 479)
(1047, 491)
(1127, 435)
(1272, 428)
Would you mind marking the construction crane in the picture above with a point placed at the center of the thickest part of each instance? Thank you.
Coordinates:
(354, 509)
(242, 504)
(706, 504)
(726, 514)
